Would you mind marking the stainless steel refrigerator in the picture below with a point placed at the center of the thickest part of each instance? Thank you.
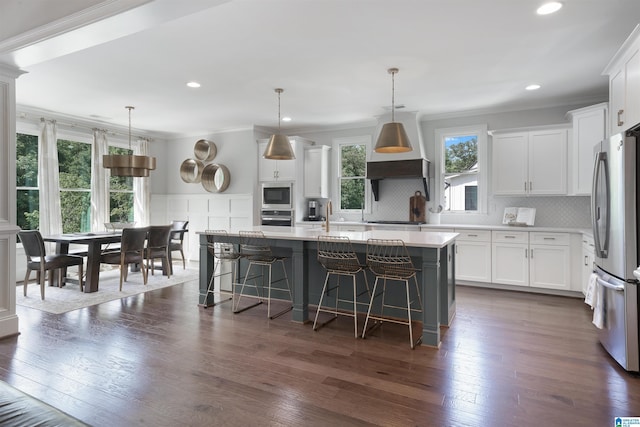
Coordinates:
(614, 207)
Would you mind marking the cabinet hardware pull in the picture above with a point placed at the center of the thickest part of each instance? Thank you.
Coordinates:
(525, 186)
(531, 253)
(620, 122)
(549, 238)
(472, 235)
(457, 251)
(530, 186)
(509, 237)
(586, 260)
(525, 253)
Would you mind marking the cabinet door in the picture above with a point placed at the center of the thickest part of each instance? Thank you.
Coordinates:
(550, 267)
(589, 128)
(632, 91)
(510, 163)
(616, 102)
(548, 162)
(473, 261)
(316, 172)
(510, 264)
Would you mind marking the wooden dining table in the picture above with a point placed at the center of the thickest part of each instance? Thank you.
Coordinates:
(94, 242)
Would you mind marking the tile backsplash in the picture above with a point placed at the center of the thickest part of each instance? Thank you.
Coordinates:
(551, 211)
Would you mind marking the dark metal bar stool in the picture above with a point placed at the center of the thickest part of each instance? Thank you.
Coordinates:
(337, 256)
(388, 259)
(254, 248)
(223, 251)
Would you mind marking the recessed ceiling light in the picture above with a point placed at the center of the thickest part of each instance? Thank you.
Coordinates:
(533, 87)
(286, 119)
(193, 84)
(550, 7)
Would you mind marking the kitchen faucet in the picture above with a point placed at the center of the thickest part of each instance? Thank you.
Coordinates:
(329, 212)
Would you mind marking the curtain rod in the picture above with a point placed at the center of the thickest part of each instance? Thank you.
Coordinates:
(92, 128)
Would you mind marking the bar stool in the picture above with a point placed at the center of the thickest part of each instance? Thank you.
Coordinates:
(337, 256)
(254, 248)
(388, 259)
(223, 251)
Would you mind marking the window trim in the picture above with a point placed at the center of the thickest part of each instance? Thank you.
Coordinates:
(337, 161)
(483, 168)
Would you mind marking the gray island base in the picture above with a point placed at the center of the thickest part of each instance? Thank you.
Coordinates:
(432, 252)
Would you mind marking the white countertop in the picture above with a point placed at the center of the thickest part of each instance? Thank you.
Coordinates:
(458, 226)
(412, 239)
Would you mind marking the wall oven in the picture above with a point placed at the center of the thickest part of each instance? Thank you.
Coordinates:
(282, 218)
(277, 195)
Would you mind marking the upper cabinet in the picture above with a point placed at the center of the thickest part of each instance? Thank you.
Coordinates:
(282, 170)
(530, 162)
(589, 128)
(316, 172)
(624, 85)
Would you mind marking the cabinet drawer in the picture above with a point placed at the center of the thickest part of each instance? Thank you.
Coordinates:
(587, 239)
(510, 236)
(474, 235)
(538, 238)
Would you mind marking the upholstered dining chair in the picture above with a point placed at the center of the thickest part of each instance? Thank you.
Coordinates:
(38, 260)
(158, 248)
(131, 251)
(178, 228)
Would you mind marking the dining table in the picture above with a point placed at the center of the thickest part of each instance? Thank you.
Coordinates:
(94, 243)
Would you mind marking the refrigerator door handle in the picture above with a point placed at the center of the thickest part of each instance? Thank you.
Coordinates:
(618, 288)
(601, 247)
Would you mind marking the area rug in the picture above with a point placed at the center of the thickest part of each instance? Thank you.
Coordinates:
(69, 297)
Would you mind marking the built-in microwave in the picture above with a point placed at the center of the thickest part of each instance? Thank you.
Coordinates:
(277, 195)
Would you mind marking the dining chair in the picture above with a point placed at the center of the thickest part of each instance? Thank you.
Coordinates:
(158, 248)
(336, 255)
(389, 260)
(255, 249)
(131, 251)
(178, 228)
(38, 260)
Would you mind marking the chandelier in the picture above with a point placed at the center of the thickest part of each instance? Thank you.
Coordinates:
(129, 164)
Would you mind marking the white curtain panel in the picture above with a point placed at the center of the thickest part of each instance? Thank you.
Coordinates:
(49, 179)
(99, 181)
(141, 190)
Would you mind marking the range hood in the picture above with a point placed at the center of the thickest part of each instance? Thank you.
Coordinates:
(413, 164)
(412, 168)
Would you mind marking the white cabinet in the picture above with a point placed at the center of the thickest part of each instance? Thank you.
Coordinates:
(473, 255)
(316, 172)
(530, 162)
(550, 260)
(589, 128)
(509, 257)
(624, 84)
(347, 227)
(588, 259)
(276, 170)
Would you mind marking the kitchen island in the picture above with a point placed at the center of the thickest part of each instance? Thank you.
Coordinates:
(432, 252)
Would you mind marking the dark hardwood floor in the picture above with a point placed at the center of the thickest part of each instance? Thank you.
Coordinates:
(509, 359)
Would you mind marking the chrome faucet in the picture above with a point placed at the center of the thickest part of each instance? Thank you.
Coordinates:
(329, 212)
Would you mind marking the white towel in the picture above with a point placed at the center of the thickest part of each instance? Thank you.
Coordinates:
(598, 306)
(591, 287)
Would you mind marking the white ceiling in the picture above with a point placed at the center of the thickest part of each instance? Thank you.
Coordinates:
(330, 56)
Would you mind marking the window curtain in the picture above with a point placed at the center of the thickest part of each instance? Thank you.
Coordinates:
(141, 189)
(99, 181)
(50, 221)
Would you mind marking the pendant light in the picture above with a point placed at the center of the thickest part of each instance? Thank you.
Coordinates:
(393, 138)
(279, 146)
(128, 164)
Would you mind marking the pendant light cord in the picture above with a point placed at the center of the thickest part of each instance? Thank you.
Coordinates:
(279, 91)
(393, 95)
(129, 108)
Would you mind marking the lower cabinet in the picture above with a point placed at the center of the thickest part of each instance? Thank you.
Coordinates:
(550, 261)
(588, 259)
(473, 255)
(510, 258)
(535, 259)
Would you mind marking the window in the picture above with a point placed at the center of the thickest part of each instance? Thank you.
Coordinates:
(28, 202)
(74, 160)
(121, 193)
(352, 164)
(462, 164)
